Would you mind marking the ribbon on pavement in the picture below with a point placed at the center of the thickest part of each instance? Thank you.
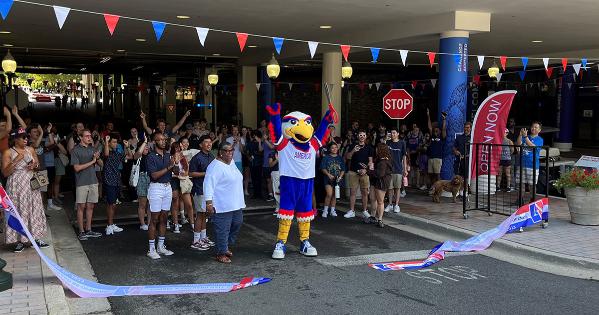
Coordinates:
(89, 289)
(526, 215)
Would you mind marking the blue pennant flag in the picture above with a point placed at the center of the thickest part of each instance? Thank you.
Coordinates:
(457, 58)
(583, 61)
(375, 54)
(5, 6)
(524, 62)
(278, 41)
(522, 74)
(158, 29)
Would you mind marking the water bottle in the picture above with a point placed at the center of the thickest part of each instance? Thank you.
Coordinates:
(337, 192)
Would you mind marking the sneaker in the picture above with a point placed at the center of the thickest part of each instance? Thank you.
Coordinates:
(325, 213)
(168, 224)
(423, 187)
(333, 213)
(396, 209)
(270, 198)
(388, 208)
(42, 244)
(365, 214)
(135, 200)
(372, 220)
(116, 228)
(143, 227)
(162, 250)
(177, 228)
(60, 195)
(279, 252)
(153, 254)
(57, 202)
(184, 220)
(82, 236)
(307, 249)
(109, 230)
(380, 223)
(93, 234)
(200, 245)
(246, 193)
(117, 202)
(52, 206)
(19, 248)
(208, 241)
(402, 194)
(350, 214)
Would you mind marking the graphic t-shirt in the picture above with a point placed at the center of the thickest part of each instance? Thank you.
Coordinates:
(333, 164)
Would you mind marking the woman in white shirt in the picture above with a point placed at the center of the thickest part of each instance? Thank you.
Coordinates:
(223, 195)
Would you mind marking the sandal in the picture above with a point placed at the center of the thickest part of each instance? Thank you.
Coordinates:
(229, 253)
(223, 259)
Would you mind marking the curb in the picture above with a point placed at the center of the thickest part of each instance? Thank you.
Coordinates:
(56, 300)
(513, 252)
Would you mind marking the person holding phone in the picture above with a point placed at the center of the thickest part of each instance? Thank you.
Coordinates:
(359, 154)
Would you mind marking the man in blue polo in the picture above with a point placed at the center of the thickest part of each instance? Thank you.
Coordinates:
(531, 151)
(197, 170)
(159, 166)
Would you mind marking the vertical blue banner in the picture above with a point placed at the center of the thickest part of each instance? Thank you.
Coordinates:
(566, 111)
(453, 93)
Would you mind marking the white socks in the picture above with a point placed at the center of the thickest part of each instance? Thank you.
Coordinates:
(203, 234)
(161, 241)
(152, 246)
(197, 236)
(326, 208)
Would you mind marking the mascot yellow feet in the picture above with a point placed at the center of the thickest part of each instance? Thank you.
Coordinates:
(306, 248)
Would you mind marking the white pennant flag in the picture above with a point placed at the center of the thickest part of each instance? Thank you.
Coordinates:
(370, 86)
(574, 76)
(258, 86)
(378, 85)
(569, 85)
(61, 14)
(546, 62)
(576, 68)
(202, 33)
(499, 76)
(404, 56)
(481, 61)
(434, 82)
(312, 46)
(290, 86)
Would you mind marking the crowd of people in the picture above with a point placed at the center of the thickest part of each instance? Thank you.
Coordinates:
(187, 173)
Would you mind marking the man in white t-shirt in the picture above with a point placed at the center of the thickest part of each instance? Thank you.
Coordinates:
(238, 143)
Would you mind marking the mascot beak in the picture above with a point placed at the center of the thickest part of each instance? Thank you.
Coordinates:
(302, 132)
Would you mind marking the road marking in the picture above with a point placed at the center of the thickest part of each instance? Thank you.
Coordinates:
(440, 274)
(377, 258)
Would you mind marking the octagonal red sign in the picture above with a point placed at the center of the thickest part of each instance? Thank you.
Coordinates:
(398, 104)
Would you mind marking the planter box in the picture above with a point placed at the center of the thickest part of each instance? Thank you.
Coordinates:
(583, 205)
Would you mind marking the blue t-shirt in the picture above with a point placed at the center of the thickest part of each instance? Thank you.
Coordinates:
(265, 154)
(333, 164)
(112, 168)
(435, 148)
(527, 153)
(156, 162)
(398, 151)
(199, 163)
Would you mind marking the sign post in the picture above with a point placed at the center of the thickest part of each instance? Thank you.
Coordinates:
(398, 104)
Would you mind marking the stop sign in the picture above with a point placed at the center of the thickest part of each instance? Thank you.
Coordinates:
(398, 104)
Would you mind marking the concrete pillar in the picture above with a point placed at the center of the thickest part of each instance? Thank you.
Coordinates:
(170, 98)
(207, 90)
(566, 110)
(331, 74)
(247, 97)
(453, 90)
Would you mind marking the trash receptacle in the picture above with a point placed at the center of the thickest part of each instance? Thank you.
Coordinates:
(5, 277)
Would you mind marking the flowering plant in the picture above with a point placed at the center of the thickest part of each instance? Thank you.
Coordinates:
(578, 177)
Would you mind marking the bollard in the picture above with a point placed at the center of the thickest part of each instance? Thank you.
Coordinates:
(5, 277)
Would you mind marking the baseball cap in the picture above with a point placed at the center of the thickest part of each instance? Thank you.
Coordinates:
(17, 132)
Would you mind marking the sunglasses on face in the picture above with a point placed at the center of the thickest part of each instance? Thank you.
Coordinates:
(228, 151)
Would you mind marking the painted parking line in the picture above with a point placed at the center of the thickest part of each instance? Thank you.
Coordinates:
(384, 257)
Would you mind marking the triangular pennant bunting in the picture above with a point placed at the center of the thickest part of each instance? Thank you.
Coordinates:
(202, 33)
(546, 62)
(370, 86)
(503, 61)
(111, 21)
(431, 58)
(158, 29)
(404, 56)
(242, 39)
(375, 54)
(481, 61)
(258, 86)
(564, 63)
(5, 6)
(522, 74)
(576, 68)
(569, 85)
(524, 62)
(499, 76)
(278, 41)
(61, 14)
(345, 50)
(312, 46)
(476, 79)
(290, 86)
(378, 85)
(583, 61)
(414, 83)
(549, 72)
(434, 82)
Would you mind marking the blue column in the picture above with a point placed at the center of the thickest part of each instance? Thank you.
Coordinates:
(264, 95)
(453, 90)
(566, 111)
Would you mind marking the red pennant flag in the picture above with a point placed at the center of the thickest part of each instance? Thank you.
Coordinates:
(503, 60)
(565, 63)
(476, 79)
(414, 83)
(241, 86)
(431, 58)
(345, 50)
(549, 72)
(111, 21)
(241, 39)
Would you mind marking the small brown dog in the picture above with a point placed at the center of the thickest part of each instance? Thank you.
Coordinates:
(453, 186)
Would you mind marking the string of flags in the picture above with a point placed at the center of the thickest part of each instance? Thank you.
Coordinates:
(159, 28)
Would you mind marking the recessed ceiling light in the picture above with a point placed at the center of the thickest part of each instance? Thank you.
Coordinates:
(7, 45)
(183, 17)
(4, 32)
(252, 46)
(120, 50)
(140, 39)
(326, 26)
(537, 41)
(215, 54)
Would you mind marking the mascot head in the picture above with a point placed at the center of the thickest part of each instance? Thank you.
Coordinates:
(298, 126)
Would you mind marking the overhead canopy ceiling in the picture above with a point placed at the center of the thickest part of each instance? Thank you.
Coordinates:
(567, 28)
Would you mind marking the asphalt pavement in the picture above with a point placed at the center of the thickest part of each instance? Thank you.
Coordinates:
(338, 281)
